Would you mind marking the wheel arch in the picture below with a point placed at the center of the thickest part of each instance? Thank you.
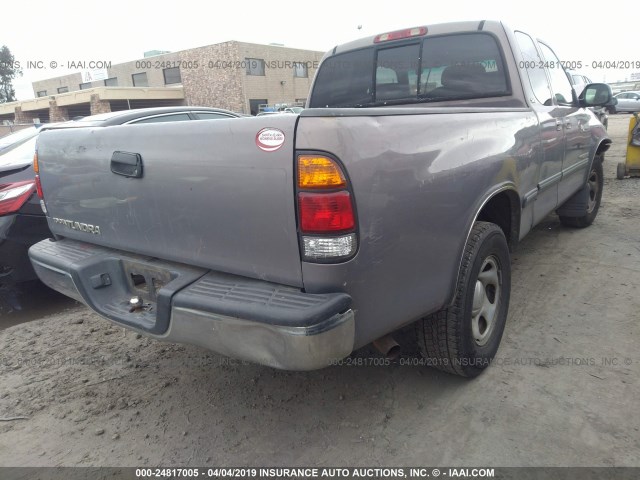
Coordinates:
(599, 149)
(501, 206)
(602, 147)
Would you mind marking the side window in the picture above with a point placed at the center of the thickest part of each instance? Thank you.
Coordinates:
(210, 115)
(533, 65)
(176, 117)
(559, 81)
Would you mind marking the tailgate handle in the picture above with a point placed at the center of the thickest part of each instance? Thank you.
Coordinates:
(127, 164)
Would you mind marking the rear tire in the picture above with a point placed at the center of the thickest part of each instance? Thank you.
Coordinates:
(621, 171)
(596, 184)
(464, 338)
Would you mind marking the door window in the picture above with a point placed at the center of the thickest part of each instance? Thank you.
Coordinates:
(560, 84)
(533, 65)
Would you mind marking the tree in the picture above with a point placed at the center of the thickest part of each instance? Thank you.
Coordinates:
(9, 69)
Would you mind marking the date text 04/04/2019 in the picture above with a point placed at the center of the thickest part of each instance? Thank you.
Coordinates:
(579, 64)
(313, 472)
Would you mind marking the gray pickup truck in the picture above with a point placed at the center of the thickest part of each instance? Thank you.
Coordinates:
(423, 156)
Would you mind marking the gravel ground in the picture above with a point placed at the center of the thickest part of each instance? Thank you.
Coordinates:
(76, 390)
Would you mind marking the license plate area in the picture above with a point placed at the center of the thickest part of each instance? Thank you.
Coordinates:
(133, 291)
(145, 282)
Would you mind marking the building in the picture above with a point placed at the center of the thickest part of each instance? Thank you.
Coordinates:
(233, 75)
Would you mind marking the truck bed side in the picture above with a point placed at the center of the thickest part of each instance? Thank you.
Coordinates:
(417, 195)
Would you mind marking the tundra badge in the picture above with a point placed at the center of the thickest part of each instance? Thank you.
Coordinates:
(83, 227)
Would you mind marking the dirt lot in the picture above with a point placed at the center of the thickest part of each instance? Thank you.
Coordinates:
(563, 391)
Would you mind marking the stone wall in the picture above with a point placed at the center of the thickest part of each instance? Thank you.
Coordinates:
(216, 82)
(99, 106)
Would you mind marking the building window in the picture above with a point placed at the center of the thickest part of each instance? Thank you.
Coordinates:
(255, 66)
(63, 89)
(172, 75)
(85, 85)
(140, 79)
(42, 93)
(300, 70)
(111, 82)
(255, 103)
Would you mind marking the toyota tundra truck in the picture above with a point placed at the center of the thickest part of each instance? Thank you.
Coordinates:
(422, 159)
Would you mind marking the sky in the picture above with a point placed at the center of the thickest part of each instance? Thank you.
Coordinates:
(118, 31)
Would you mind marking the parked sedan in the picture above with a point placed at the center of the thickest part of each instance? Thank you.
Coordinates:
(14, 139)
(151, 115)
(627, 102)
(22, 222)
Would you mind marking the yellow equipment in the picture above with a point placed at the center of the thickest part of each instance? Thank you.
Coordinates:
(631, 166)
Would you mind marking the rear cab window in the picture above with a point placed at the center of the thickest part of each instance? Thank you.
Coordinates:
(433, 69)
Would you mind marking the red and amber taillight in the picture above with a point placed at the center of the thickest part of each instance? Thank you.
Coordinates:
(326, 214)
(14, 195)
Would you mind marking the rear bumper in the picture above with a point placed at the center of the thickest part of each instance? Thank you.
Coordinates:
(288, 348)
(243, 318)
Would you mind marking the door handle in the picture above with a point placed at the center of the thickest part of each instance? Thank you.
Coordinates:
(558, 125)
(127, 164)
(567, 124)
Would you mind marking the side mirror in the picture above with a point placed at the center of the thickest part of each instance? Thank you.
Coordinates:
(597, 95)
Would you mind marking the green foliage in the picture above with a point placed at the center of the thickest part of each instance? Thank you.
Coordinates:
(9, 69)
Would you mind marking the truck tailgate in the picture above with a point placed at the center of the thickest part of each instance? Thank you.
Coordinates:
(211, 194)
